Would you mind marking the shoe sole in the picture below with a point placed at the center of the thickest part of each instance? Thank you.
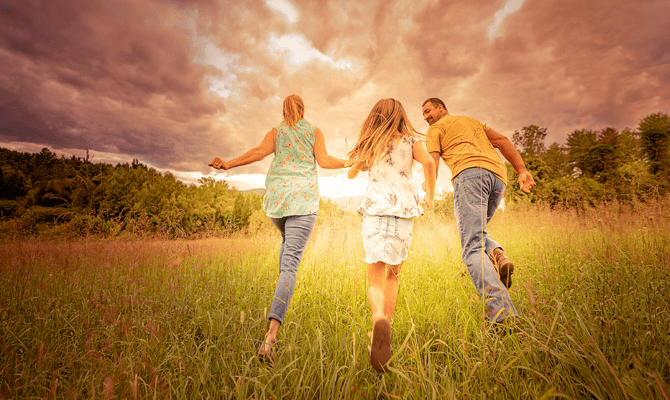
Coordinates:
(380, 352)
(506, 271)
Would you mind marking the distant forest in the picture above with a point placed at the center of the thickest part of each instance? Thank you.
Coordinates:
(595, 167)
(41, 190)
(74, 196)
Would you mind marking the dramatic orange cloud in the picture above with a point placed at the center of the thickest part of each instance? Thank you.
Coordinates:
(175, 83)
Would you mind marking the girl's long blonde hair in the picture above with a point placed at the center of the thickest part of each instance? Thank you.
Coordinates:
(294, 110)
(386, 123)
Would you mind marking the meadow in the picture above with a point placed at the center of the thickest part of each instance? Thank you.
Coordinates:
(182, 319)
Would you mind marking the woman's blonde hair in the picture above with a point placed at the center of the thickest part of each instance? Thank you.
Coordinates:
(386, 123)
(294, 109)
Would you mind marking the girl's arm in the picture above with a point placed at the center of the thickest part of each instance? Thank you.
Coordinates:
(421, 155)
(258, 153)
(321, 154)
(358, 166)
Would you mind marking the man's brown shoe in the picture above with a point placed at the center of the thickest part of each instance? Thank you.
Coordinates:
(503, 265)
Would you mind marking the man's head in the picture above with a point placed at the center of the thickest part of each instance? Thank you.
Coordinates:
(433, 110)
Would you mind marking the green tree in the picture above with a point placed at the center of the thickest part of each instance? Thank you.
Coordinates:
(608, 136)
(579, 143)
(531, 140)
(556, 159)
(655, 134)
(14, 183)
(600, 160)
(627, 146)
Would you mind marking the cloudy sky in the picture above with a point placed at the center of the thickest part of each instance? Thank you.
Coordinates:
(175, 83)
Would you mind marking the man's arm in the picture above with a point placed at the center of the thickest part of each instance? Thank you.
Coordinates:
(512, 155)
(421, 155)
(434, 148)
(436, 158)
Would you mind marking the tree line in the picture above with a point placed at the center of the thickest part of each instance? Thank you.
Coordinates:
(596, 167)
(41, 190)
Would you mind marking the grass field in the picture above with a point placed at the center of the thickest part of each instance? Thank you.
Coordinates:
(183, 319)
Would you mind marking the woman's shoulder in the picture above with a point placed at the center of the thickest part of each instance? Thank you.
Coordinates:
(301, 124)
(306, 124)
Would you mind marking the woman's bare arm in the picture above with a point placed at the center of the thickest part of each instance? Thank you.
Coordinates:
(322, 158)
(258, 153)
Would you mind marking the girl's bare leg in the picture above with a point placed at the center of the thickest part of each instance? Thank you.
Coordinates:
(380, 348)
(376, 279)
(391, 290)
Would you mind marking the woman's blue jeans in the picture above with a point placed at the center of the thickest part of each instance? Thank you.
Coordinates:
(295, 231)
(477, 194)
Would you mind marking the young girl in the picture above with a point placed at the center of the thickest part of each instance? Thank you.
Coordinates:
(387, 146)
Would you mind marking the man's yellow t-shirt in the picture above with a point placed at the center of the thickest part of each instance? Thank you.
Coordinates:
(462, 143)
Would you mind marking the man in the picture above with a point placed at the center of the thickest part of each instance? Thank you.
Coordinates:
(479, 179)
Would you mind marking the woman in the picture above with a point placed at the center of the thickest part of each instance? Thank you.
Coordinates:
(291, 198)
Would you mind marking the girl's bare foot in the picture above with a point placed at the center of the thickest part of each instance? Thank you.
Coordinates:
(380, 351)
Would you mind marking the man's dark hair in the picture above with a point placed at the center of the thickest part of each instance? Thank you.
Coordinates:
(436, 102)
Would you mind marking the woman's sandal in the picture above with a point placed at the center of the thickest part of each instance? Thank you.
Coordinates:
(266, 351)
(380, 351)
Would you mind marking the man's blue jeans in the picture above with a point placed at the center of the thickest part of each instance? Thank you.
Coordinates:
(477, 194)
(295, 231)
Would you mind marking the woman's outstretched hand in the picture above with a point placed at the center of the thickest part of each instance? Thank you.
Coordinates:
(218, 164)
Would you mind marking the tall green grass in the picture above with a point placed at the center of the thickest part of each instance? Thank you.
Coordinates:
(183, 319)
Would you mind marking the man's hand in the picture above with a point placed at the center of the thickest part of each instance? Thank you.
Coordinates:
(218, 164)
(526, 182)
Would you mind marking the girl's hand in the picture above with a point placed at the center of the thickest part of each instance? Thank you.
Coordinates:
(427, 203)
(359, 165)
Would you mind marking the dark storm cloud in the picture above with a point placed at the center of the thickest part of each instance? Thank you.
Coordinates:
(177, 82)
(560, 64)
(108, 75)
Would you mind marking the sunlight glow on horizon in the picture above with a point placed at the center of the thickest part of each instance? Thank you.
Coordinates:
(333, 186)
(329, 186)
